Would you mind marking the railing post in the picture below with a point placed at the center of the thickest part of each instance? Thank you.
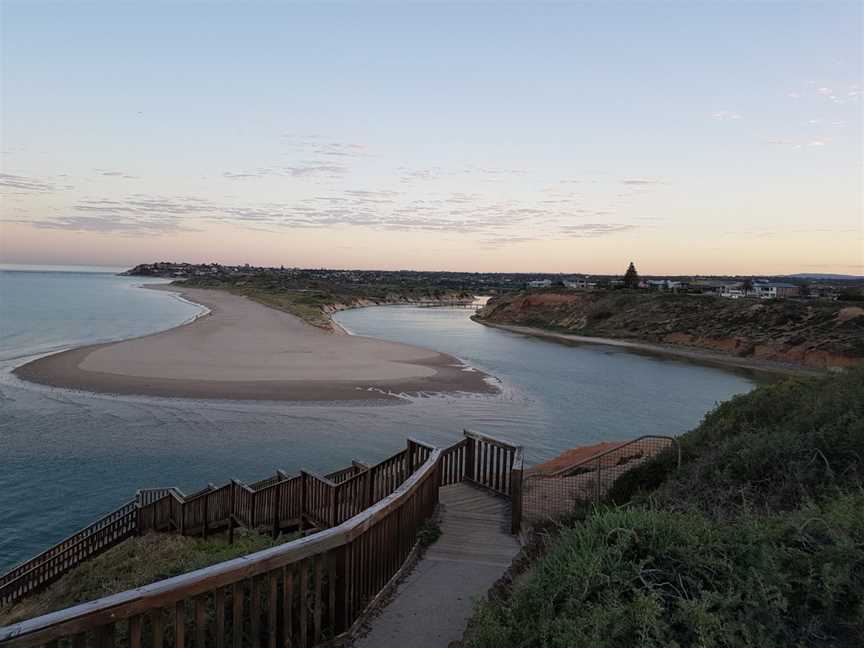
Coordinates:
(333, 490)
(516, 493)
(370, 488)
(469, 457)
(232, 511)
(277, 496)
(302, 498)
(252, 496)
(409, 458)
(204, 521)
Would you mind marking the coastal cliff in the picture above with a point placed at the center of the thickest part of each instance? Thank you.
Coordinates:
(815, 334)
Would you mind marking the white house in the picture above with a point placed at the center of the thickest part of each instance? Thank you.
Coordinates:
(733, 290)
(582, 284)
(540, 283)
(761, 290)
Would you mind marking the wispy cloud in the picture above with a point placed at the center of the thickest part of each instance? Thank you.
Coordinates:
(27, 184)
(307, 169)
(483, 217)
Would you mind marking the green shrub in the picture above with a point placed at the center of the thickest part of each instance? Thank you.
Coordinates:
(767, 450)
(642, 577)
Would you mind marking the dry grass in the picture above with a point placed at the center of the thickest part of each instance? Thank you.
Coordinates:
(136, 562)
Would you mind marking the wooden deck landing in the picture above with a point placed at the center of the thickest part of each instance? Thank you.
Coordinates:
(431, 607)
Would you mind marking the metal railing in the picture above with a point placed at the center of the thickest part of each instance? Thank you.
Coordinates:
(551, 495)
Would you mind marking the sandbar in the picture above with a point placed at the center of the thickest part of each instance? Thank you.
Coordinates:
(243, 350)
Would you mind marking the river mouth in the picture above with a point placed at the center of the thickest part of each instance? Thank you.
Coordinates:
(99, 449)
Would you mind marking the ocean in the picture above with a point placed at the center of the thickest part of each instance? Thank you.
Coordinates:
(67, 457)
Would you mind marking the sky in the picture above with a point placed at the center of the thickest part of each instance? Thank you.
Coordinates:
(691, 138)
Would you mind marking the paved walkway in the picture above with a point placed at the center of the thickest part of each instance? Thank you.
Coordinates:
(431, 607)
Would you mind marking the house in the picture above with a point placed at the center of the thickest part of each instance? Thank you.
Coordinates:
(579, 284)
(733, 290)
(760, 289)
(774, 290)
(668, 285)
(540, 283)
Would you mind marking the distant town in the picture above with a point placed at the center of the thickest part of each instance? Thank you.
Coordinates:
(801, 286)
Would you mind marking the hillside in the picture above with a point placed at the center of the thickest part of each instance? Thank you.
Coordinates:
(757, 540)
(818, 334)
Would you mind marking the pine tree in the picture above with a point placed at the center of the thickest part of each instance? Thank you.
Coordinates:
(631, 277)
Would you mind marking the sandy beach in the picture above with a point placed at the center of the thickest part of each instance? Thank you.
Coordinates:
(664, 350)
(244, 350)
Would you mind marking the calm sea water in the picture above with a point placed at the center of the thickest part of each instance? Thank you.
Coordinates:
(68, 457)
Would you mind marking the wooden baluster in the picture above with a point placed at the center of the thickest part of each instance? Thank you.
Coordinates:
(302, 498)
(304, 593)
(272, 608)
(158, 628)
(277, 491)
(204, 521)
(219, 604)
(232, 512)
(105, 636)
(180, 624)
(255, 611)
(319, 573)
(237, 614)
(288, 606)
(200, 621)
(135, 631)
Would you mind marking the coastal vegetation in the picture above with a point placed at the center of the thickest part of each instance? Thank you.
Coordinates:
(314, 300)
(133, 563)
(812, 333)
(757, 540)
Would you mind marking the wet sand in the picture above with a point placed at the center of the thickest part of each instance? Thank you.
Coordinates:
(244, 350)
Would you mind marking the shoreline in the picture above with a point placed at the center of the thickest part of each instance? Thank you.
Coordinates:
(695, 355)
(239, 349)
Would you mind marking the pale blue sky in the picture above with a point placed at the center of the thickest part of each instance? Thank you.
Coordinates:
(693, 137)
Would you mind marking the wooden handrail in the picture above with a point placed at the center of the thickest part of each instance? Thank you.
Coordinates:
(478, 436)
(86, 532)
(110, 609)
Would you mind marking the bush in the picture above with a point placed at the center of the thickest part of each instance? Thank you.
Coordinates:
(758, 540)
(767, 450)
(642, 577)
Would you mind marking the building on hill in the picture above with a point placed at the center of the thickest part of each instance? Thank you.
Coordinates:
(580, 284)
(774, 290)
(540, 283)
(667, 285)
(760, 289)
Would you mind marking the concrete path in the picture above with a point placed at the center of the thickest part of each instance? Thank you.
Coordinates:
(431, 607)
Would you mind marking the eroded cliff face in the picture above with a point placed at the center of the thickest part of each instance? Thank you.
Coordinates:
(813, 334)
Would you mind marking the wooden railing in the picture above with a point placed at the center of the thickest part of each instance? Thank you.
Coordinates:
(374, 541)
(71, 552)
(301, 593)
(276, 503)
(494, 464)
